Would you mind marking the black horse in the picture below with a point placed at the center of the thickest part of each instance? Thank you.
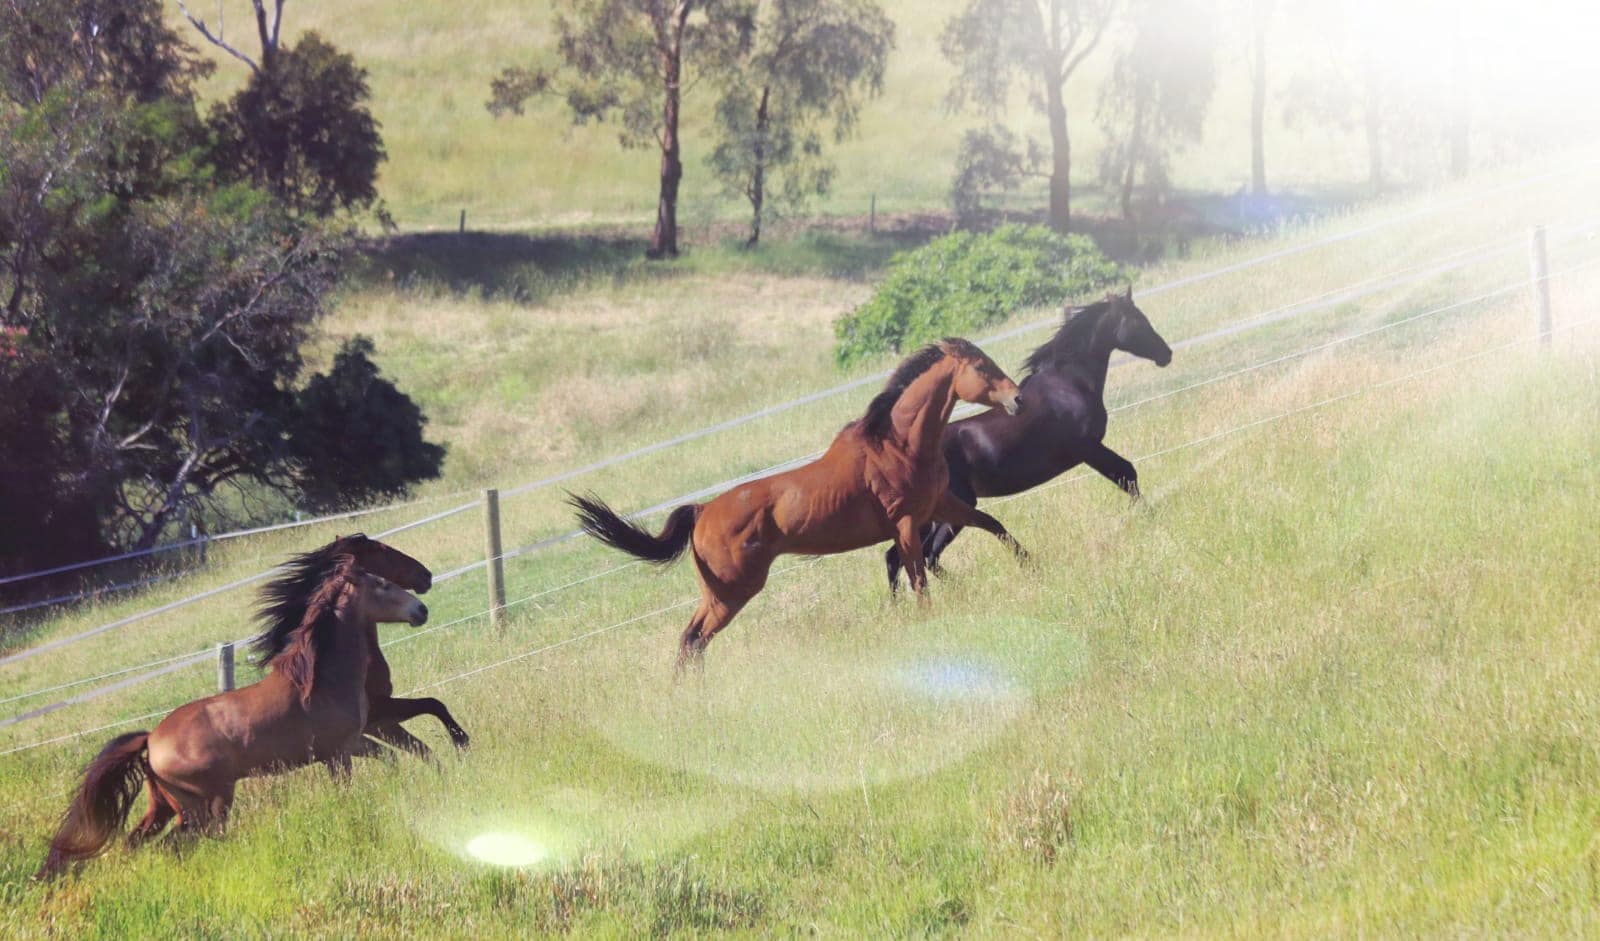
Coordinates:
(995, 454)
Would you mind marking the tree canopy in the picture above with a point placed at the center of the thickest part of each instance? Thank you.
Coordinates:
(154, 307)
(811, 66)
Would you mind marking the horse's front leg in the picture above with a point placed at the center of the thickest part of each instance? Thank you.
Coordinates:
(387, 714)
(908, 539)
(958, 514)
(339, 765)
(1113, 467)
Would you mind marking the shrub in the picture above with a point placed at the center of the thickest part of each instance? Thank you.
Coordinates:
(965, 281)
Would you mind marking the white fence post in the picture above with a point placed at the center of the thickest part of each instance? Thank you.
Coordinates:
(1541, 285)
(225, 667)
(496, 565)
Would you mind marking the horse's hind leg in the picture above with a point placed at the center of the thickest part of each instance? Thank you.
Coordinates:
(714, 614)
(959, 514)
(159, 815)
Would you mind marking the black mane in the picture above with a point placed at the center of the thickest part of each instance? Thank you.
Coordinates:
(875, 423)
(1073, 339)
(282, 601)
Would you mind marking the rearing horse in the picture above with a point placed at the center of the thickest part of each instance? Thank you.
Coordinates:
(311, 707)
(883, 477)
(995, 454)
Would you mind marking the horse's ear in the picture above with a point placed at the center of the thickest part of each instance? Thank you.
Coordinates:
(1128, 294)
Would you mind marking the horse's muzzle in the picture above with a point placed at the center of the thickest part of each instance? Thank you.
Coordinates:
(419, 617)
(1163, 359)
(1012, 405)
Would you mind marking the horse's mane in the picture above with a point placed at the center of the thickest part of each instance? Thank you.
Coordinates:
(875, 423)
(298, 658)
(283, 601)
(1077, 327)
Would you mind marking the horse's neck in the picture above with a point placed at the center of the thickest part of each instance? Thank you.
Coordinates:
(346, 654)
(924, 409)
(1094, 359)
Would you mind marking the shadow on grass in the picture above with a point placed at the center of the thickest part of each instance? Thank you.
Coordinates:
(533, 268)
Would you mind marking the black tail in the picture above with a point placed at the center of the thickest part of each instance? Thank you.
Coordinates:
(603, 523)
(96, 814)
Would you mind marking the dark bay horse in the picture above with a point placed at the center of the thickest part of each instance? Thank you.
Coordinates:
(996, 454)
(283, 603)
(882, 478)
(312, 707)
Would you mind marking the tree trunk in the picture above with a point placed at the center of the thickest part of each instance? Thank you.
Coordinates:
(1060, 159)
(1372, 118)
(758, 178)
(664, 242)
(1460, 111)
(1135, 144)
(1260, 11)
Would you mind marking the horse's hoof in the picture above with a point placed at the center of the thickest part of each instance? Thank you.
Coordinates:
(460, 739)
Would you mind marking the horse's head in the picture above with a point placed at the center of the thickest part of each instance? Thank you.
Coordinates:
(387, 603)
(1133, 331)
(978, 380)
(386, 561)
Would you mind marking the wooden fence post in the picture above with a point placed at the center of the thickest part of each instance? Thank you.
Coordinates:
(872, 215)
(495, 564)
(463, 229)
(225, 667)
(1541, 285)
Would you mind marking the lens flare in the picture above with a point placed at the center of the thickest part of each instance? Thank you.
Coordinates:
(948, 679)
(505, 849)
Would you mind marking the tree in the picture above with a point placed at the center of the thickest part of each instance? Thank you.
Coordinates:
(301, 127)
(303, 131)
(812, 64)
(995, 43)
(356, 437)
(152, 319)
(1157, 97)
(1260, 19)
(634, 61)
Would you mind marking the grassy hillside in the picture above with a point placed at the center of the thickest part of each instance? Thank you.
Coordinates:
(1332, 676)
(431, 64)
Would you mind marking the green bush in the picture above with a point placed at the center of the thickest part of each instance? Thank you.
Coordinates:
(965, 281)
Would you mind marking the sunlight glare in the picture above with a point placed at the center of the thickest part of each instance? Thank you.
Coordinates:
(505, 849)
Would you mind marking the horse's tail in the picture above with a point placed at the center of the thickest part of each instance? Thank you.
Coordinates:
(98, 810)
(603, 523)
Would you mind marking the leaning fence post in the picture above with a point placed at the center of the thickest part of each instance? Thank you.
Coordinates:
(1541, 285)
(225, 666)
(872, 215)
(495, 564)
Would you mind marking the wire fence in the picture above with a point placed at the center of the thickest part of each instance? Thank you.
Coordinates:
(183, 660)
(562, 477)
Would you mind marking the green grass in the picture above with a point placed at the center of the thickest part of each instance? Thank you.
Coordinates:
(1332, 677)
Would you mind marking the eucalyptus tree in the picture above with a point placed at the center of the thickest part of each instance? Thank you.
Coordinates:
(997, 44)
(634, 62)
(812, 65)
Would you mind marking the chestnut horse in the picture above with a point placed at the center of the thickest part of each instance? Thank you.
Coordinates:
(994, 455)
(311, 707)
(883, 477)
(283, 605)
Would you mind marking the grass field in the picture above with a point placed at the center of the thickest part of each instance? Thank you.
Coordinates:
(1333, 676)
